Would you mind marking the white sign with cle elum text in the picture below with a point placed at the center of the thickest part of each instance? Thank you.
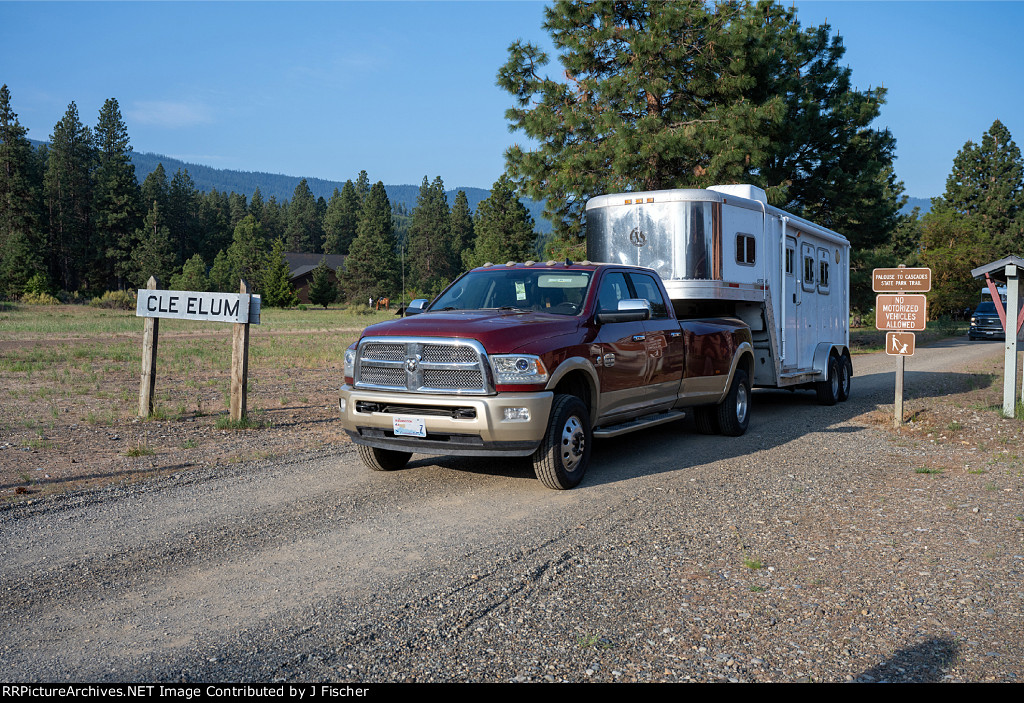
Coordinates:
(190, 305)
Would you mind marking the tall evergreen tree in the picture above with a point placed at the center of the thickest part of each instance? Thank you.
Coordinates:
(304, 231)
(665, 95)
(183, 215)
(20, 256)
(68, 189)
(986, 185)
(156, 189)
(428, 249)
(462, 236)
(117, 199)
(332, 223)
(154, 254)
(247, 254)
(277, 288)
(362, 186)
(504, 228)
(371, 268)
(322, 290)
(256, 204)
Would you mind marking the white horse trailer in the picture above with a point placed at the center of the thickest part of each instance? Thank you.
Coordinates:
(726, 251)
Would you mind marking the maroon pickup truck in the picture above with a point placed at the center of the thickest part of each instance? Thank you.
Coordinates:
(536, 360)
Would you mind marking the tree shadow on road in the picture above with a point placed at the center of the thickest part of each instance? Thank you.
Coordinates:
(926, 662)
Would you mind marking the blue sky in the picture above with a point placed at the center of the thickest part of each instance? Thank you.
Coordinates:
(407, 89)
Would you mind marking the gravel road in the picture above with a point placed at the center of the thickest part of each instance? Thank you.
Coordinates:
(806, 550)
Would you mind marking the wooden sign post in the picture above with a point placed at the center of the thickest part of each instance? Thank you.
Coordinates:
(147, 385)
(240, 364)
(241, 309)
(896, 310)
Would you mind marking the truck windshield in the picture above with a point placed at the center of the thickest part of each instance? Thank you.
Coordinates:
(556, 292)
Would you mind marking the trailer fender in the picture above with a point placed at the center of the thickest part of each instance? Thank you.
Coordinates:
(822, 352)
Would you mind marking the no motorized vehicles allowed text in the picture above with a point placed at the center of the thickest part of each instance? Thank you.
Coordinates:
(901, 312)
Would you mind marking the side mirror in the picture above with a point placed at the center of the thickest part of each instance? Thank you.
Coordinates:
(417, 306)
(630, 310)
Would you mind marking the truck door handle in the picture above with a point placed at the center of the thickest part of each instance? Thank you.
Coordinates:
(673, 335)
(639, 337)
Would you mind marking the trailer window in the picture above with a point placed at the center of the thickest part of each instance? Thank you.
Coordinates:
(789, 260)
(746, 249)
(807, 254)
(823, 266)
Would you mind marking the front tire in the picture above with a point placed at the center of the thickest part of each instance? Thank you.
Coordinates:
(562, 458)
(383, 459)
(734, 411)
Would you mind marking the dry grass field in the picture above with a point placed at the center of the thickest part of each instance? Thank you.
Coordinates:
(69, 387)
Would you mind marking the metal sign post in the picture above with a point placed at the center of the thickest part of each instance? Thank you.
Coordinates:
(896, 310)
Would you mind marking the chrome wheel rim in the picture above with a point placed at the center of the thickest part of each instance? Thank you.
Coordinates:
(742, 400)
(574, 443)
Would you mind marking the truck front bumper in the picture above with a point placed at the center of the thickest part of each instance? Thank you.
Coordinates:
(457, 425)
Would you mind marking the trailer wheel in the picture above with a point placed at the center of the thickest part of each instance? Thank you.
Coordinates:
(734, 411)
(845, 372)
(828, 390)
(383, 459)
(706, 418)
(564, 454)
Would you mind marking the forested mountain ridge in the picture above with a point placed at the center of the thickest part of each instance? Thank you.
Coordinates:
(282, 187)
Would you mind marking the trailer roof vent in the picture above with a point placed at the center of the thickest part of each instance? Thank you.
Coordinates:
(741, 190)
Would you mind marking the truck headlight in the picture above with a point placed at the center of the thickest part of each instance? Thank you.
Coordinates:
(518, 368)
(350, 362)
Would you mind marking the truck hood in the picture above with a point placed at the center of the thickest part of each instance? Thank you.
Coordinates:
(500, 331)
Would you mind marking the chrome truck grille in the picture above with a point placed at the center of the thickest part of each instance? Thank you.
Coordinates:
(452, 366)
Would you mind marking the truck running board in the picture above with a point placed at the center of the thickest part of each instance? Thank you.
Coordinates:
(639, 423)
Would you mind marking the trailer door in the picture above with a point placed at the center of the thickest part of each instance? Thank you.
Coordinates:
(792, 293)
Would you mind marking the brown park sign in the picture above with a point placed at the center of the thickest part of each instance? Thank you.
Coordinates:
(900, 343)
(901, 312)
(908, 280)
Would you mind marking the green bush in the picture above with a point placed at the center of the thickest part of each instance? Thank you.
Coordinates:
(115, 300)
(39, 299)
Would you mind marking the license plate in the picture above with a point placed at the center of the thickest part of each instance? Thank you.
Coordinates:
(406, 426)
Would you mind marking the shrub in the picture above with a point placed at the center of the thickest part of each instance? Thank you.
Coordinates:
(115, 300)
(39, 299)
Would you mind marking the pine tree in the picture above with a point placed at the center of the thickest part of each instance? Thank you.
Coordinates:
(183, 215)
(668, 95)
(362, 187)
(256, 204)
(322, 290)
(341, 219)
(504, 228)
(117, 199)
(222, 278)
(154, 255)
(20, 256)
(304, 231)
(156, 188)
(428, 248)
(986, 185)
(462, 235)
(192, 276)
(247, 254)
(372, 268)
(68, 190)
(276, 288)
